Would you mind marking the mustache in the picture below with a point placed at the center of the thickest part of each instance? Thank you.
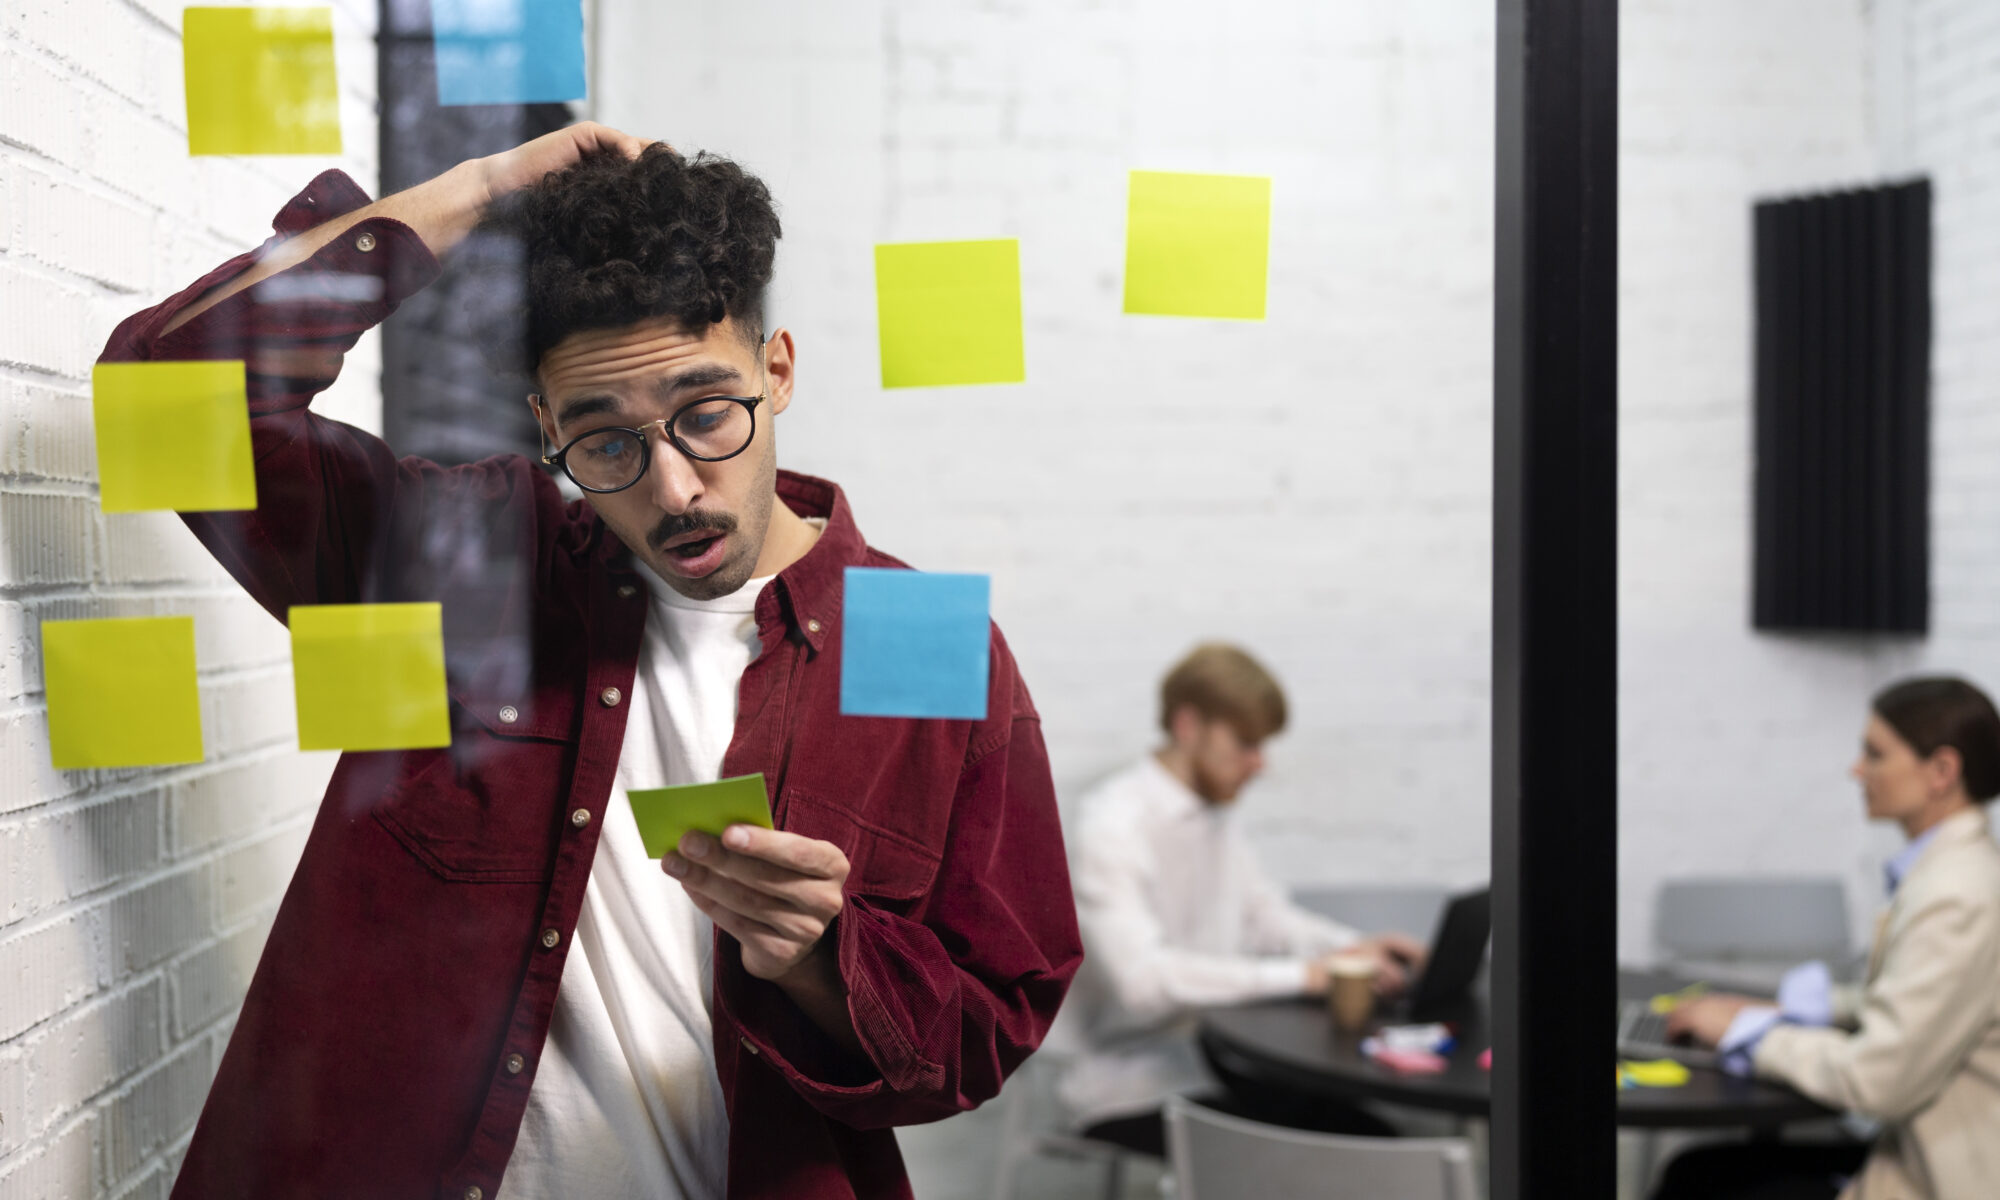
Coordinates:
(673, 526)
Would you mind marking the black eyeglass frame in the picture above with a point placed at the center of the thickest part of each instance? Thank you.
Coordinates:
(666, 426)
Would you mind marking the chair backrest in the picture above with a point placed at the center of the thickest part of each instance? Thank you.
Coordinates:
(1778, 921)
(1219, 1157)
(1384, 908)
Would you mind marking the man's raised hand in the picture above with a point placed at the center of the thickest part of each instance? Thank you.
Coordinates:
(525, 164)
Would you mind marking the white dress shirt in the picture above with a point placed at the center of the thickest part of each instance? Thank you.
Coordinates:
(1176, 916)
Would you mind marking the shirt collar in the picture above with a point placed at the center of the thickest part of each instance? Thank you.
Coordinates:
(1897, 869)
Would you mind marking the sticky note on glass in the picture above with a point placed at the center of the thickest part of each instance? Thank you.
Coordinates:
(664, 814)
(1662, 1073)
(370, 676)
(172, 435)
(1197, 245)
(260, 81)
(508, 51)
(950, 313)
(121, 692)
(914, 644)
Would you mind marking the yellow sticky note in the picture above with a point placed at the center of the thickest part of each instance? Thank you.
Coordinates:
(370, 676)
(1197, 245)
(172, 435)
(950, 313)
(260, 81)
(121, 692)
(664, 814)
(1660, 1073)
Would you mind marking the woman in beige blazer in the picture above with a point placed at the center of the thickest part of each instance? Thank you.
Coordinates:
(1916, 1048)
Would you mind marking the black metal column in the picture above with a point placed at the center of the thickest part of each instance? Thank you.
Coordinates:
(1555, 648)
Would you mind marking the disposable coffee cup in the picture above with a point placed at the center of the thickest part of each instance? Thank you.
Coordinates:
(1352, 994)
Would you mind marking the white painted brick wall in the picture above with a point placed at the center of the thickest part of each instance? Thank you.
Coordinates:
(1344, 534)
(133, 903)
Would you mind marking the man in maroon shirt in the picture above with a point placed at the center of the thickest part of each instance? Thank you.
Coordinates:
(886, 956)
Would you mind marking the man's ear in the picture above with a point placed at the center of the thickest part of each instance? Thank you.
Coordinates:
(543, 423)
(780, 366)
(1184, 725)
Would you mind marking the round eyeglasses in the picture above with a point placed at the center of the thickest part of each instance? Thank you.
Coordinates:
(614, 458)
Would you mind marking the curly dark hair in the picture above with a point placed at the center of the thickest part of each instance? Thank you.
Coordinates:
(610, 241)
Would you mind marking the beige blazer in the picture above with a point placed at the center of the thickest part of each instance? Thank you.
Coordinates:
(1917, 1047)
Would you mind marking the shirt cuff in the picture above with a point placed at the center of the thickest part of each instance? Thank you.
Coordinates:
(1806, 995)
(1738, 1047)
(1283, 976)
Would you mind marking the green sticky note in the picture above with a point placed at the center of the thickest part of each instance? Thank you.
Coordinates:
(121, 692)
(950, 313)
(1197, 245)
(664, 814)
(260, 81)
(370, 676)
(172, 435)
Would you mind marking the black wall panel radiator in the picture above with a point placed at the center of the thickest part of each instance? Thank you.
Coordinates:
(1843, 411)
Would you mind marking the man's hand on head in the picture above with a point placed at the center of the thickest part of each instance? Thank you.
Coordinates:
(525, 164)
(774, 892)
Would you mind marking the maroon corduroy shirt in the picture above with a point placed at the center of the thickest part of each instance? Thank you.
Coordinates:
(393, 1027)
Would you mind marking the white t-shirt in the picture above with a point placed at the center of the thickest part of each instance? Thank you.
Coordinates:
(626, 1101)
(1176, 915)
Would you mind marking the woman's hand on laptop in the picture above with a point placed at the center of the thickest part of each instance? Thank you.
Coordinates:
(1705, 1019)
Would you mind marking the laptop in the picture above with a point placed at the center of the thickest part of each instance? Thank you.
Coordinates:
(1642, 1035)
(1458, 950)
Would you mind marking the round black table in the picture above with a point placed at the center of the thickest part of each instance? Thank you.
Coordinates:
(1292, 1046)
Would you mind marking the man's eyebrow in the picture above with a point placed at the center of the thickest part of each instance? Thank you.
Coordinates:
(700, 375)
(584, 406)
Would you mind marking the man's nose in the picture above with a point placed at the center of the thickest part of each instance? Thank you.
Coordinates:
(676, 484)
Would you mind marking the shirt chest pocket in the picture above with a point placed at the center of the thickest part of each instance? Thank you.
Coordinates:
(490, 808)
(882, 863)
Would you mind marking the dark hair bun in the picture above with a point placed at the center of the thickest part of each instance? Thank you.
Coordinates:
(1935, 712)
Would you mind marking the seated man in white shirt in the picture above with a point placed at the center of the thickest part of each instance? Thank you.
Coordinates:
(1177, 915)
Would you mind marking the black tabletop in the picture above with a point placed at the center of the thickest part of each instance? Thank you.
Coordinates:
(1291, 1045)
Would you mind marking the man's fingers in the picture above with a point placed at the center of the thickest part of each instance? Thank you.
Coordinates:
(776, 915)
(786, 851)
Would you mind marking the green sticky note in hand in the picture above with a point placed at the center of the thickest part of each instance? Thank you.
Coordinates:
(260, 81)
(664, 814)
(950, 313)
(172, 435)
(370, 676)
(121, 692)
(1197, 245)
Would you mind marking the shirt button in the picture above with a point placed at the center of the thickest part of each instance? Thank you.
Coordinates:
(813, 624)
(627, 591)
(611, 697)
(473, 1193)
(580, 818)
(550, 937)
(747, 1046)
(514, 1064)
(365, 243)
(509, 714)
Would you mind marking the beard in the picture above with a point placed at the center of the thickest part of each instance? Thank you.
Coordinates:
(1210, 786)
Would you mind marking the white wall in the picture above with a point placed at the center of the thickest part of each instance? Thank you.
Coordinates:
(1315, 486)
(1344, 534)
(133, 904)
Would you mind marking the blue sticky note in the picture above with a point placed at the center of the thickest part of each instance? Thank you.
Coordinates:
(508, 51)
(914, 645)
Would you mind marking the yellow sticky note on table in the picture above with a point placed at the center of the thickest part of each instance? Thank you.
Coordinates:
(121, 692)
(950, 313)
(664, 814)
(260, 81)
(1197, 245)
(1661, 1073)
(172, 435)
(370, 676)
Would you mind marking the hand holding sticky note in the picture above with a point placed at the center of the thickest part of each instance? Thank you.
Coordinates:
(260, 80)
(370, 676)
(121, 692)
(1197, 245)
(914, 644)
(665, 813)
(949, 313)
(172, 435)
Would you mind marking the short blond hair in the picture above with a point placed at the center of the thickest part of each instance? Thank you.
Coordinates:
(1221, 682)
